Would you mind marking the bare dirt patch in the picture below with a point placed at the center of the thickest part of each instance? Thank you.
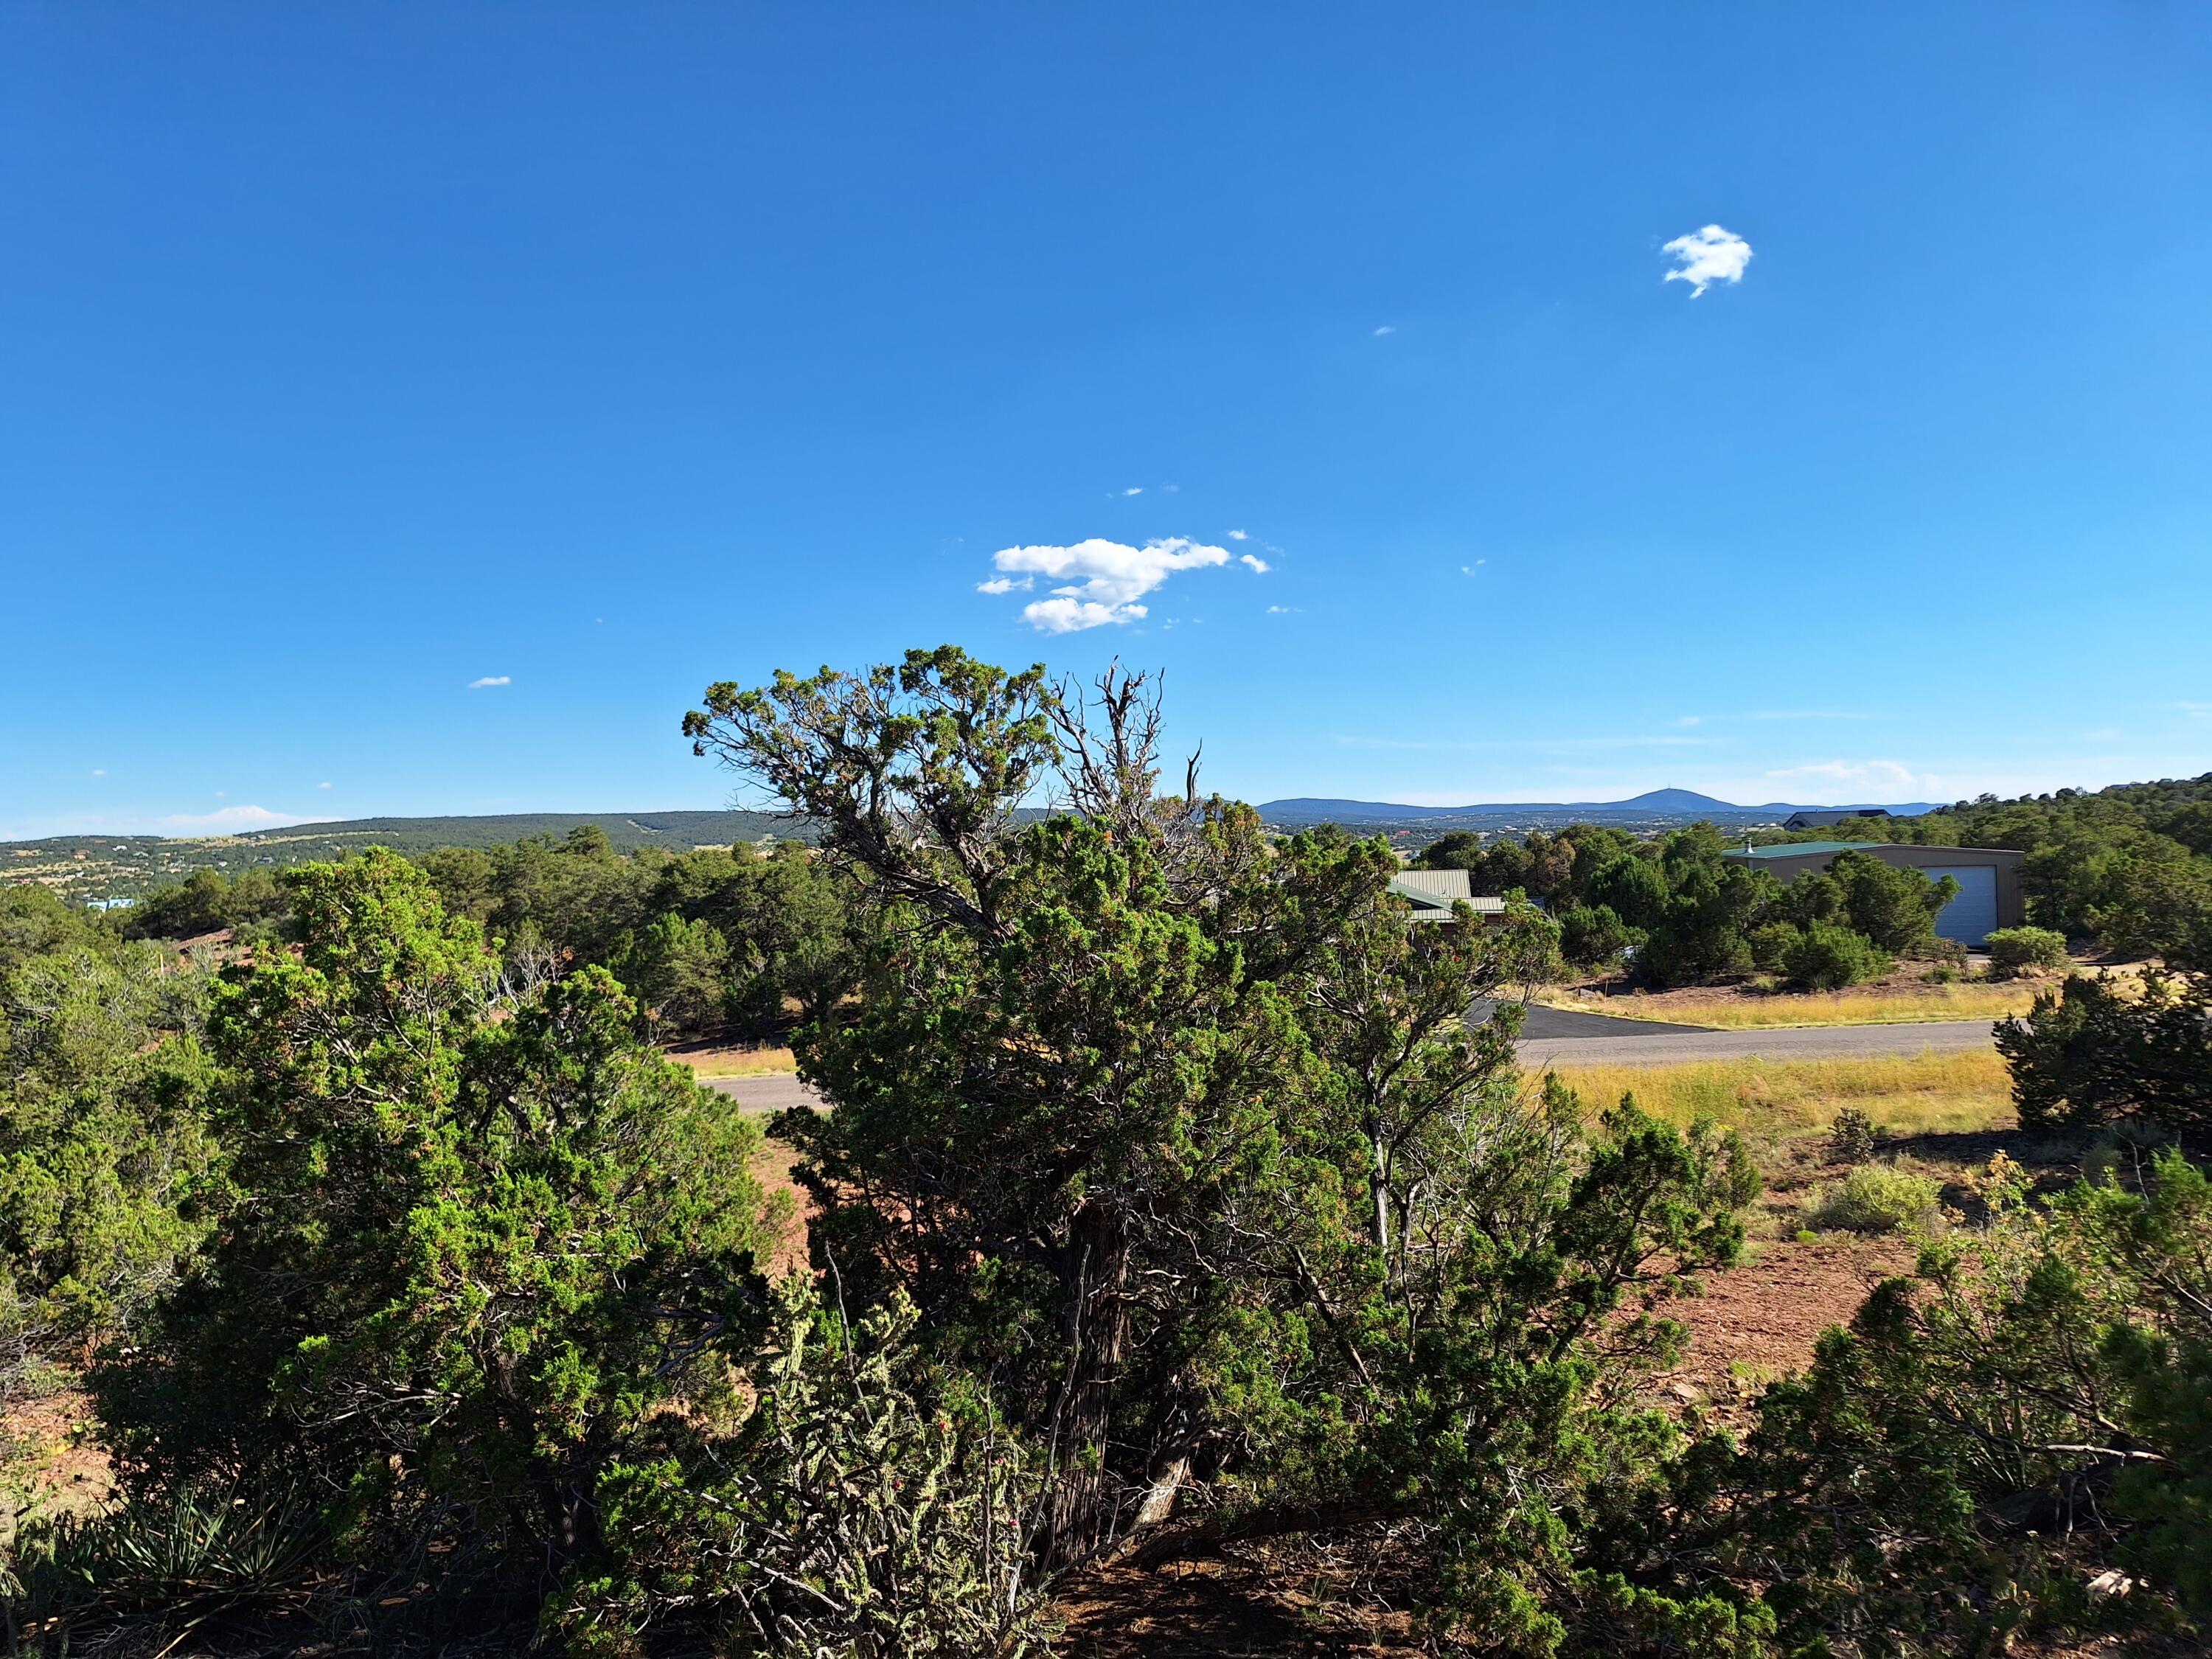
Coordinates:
(1240, 1607)
(49, 1450)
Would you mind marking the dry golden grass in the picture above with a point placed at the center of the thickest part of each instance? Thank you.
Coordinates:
(735, 1062)
(1908, 1094)
(1750, 1010)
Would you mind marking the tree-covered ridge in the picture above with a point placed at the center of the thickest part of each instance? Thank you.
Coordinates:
(1675, 911)
(740, 939)
(113, 869)
(2130, 867)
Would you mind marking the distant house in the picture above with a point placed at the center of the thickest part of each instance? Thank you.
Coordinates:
(1988, 895)
(1826, 816)
(1433, 892)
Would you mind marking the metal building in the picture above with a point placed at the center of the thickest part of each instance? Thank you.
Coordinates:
(1988, 878)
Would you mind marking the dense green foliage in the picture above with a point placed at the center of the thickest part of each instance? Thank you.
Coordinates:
(2131, 866)
(1681, 913)
(2022, 950)
(2093, 1051)
(101, 1134)
(1965, 1459)
(1267, 1241)
(464, 1245)
(742, 939)
(1167, 1204)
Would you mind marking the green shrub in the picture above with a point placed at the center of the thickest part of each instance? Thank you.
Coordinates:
(1771, 944)
(1592, 936)
(464, 1245)
(2019, 950)
(1875, 1198)
(1827, 958)
(1852, 1137)
(2092, 1052)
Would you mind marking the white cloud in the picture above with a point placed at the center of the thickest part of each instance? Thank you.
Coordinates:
(1387, 328)
(1101, 581)
(99, 771)
(2200, 710)
(322, 786)
(1878, 774)
(490, 680)
(229, 820)
(1690, 719)
(1259, 565)
(1708, 256)
(1135, 489)
(1285, 609)
(1005, 585)
(1172, 490)
(1239, 535)
(1469, 569)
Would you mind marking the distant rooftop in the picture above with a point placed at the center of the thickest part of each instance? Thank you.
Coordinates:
(1790, 849)
(1433, 892)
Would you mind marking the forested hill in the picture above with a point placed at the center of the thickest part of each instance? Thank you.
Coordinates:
(100, 868)
(626, 831)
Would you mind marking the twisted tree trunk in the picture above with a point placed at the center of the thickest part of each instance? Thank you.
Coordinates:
(1085, 1500)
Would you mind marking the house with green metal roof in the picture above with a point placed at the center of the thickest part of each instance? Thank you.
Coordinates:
(1432, 893)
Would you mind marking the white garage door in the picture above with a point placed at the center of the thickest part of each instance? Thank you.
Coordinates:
(1971, 916)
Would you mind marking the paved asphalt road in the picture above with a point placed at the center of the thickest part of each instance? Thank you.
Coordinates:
(1653, 1044)
(1948, 1037)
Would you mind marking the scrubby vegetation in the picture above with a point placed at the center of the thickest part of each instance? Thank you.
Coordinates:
(1676, 912)
(2129, 866)
(1165, 1206)
(2015, 951)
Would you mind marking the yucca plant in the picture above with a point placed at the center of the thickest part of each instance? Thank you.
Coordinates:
(185, 1552)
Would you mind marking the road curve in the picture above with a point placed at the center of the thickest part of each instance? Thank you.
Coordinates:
(1662, 1047)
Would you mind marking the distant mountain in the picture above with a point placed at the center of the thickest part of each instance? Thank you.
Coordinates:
(1654, 803)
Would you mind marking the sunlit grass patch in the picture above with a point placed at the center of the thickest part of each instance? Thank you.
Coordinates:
(736, 1062)
(1752, 1011)
(1917, 1094)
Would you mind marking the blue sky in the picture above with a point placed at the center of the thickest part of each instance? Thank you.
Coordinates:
(352, 356)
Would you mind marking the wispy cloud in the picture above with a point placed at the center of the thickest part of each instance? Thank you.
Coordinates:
(1101, 581)
(1806, 715)
(2197, 710)
(1540, 746)
(1239, 535)
(1469, 569)
(1689, 720)
(490, 680)
(1877, 774)
(1387, 328)
(1285, 609)
(1708, 256)
(1135, 489)
(1259, 565)
(1005, 585)
(322, 786)
(99, 771)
